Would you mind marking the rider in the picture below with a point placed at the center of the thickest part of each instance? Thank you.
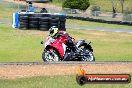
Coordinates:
(54, 33)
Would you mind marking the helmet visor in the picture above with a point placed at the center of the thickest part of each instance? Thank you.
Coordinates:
(51, 31)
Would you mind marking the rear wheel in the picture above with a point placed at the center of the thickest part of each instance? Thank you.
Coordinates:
(88, 55)
(50, 55)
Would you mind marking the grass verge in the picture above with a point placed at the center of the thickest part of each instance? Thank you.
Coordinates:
(108, 46)
(6, 10)
(54, 82)
(95, 24)
(19, 45)
(24, 45)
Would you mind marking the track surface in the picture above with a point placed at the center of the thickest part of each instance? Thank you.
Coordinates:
(100, 28)
(65, 62)
(87, 28)
(15, 70)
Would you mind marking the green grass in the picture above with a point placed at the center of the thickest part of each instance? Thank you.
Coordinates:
(106, 5)
(95, 24)
(16, 45)
(54, 82)
(4, 15)
(7, 9)
(24, 45)
(108, 46)
(57, 2)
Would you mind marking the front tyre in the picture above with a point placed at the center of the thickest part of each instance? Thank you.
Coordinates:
(88, 55)
(50, 55)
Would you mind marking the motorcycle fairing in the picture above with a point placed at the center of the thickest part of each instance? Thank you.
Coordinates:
(59, 45)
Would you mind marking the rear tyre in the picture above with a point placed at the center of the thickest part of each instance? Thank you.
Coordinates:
(50, 55)
(25, 21)
(33, 26)
(23, 26)
(34, 22)
(43, 23)
(89, 55)
(43, 29)
(23, 17)
(44, 19)
(54, 24)
(33, 18)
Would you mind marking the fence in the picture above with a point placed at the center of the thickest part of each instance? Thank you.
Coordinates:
(108, 16)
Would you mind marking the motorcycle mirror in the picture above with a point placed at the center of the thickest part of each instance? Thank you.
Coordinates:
(42, 42)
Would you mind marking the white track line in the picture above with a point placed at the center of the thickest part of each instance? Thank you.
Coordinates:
(102, 30)
(130, 32)
(118, 31)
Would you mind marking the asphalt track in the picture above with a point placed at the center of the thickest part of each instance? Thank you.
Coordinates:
(14, 70)
(5, 22)
(87, 28)
(100, 28)
(65, 62)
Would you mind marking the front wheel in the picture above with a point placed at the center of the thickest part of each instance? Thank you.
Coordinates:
(50, 55)
(88, 55)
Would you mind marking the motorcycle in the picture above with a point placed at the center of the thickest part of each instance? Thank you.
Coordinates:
(56, 50)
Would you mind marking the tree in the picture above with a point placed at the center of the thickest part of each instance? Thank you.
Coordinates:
(122, 4)
(113, 8)
(76, 4)
(114, 2)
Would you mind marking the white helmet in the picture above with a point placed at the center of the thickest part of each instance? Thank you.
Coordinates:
(53, 31)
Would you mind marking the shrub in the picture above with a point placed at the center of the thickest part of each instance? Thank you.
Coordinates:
(95, 8)
(76, 4)
(127, 15)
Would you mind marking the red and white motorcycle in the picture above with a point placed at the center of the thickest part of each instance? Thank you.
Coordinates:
(57, 50)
